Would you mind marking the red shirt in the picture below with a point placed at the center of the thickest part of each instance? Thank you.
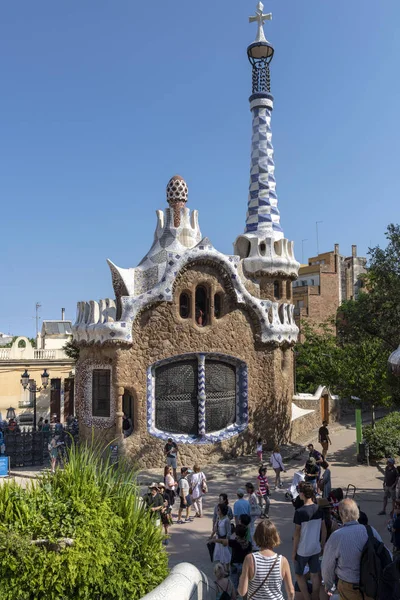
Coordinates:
(263, 484)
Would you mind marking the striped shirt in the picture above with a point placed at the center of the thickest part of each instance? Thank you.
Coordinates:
(342, 553)
(272, 588)
(263, 484)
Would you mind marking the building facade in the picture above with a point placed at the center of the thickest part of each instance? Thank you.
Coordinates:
(324, 283)
(57, 400)
(197, 345)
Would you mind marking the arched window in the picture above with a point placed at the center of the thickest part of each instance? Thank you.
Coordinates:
(288, 290)
(218, 305)
(184, 305)
(21, 344)
(277, 293)
(201, 299)
(263, 248)
(127, 408)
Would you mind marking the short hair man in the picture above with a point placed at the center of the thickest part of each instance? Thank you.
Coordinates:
(241, 506)
(309, 534)
(342, 553)
(323, 438)
(389, 485)
(171, 454)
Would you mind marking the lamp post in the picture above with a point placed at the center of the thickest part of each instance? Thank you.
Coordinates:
(32, 387)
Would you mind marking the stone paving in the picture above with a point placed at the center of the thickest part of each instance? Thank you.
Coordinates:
(188, 541)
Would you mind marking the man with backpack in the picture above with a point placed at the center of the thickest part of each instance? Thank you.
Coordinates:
(355, 556)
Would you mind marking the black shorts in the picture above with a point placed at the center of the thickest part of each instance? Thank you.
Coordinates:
(301, 562)
(188, 502)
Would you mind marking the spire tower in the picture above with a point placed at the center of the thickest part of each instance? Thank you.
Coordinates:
(258, 245)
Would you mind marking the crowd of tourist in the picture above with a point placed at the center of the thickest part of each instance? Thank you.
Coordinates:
(335, 553)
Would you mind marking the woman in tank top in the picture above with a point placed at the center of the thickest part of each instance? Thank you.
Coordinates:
(264, 571)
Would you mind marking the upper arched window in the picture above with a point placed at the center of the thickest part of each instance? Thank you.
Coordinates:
(218, 305)
(21, 344)
(277, 291)
(184, 305)
(288, 290)
(201, 305)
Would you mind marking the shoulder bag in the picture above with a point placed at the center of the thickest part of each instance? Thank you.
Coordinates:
(249, 596)
(204, 487)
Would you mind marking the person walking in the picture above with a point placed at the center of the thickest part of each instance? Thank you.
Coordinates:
(53, 451)
(223, 531)
(170, 485)
(277, 465)
(154, 501)
(311, 471)
(324, 439)
(255, 511)
(389, 485)
(171, 455)
(199, 488)
(263, 491)
(240, 548)
(342, 553)
(184, 496)
(241, 506)
(222, 499)
(309, 536)
(324, 483)
(264, 571)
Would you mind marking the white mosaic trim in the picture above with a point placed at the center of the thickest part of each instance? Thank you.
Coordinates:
(86, 380)
(276, 327)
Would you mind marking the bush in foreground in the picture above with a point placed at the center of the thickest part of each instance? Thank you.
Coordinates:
(384, 440)
(81, 533)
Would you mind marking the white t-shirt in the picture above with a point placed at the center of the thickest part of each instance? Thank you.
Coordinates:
(183, 487)
(259, 448)
(197, 482)
(169, 482)
(276, 460)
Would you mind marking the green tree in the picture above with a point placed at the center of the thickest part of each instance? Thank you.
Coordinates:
(376, 312)
(71, 349)
(356, 369)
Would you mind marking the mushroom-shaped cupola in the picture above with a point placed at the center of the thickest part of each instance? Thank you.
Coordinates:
(262, 247)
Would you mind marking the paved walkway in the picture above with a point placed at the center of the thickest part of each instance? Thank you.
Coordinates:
(188, 541)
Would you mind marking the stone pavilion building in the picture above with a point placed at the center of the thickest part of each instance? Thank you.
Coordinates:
(197, 345)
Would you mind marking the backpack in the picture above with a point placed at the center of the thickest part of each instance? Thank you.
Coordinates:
(374, 558)
(224, 594)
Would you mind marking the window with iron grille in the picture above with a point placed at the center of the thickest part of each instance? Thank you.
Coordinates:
(197, 395)
(101, 393)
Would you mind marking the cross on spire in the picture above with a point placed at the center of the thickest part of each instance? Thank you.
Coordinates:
(260, 18)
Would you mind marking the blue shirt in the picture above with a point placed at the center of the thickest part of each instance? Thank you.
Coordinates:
(342, 553)
(241, 507)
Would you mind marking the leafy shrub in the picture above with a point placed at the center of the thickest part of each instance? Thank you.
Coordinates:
(384, 440)
(117, 550)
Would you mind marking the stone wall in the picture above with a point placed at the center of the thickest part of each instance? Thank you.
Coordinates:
(159, 333)
(302, 426)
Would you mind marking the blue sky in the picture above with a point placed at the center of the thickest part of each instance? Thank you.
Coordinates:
(102, 102)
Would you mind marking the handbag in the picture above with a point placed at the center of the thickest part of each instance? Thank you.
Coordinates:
(204, 487)
(249, 596)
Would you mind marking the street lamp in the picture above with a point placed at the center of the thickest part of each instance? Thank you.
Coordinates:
(10, 413)
(34, 389)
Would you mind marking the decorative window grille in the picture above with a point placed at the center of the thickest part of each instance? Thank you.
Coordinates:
(101, 395)
(197, 397)
(176, 397)
(220, 395)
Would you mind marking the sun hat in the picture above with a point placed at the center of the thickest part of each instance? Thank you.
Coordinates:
(161, 485)
(153, 486)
